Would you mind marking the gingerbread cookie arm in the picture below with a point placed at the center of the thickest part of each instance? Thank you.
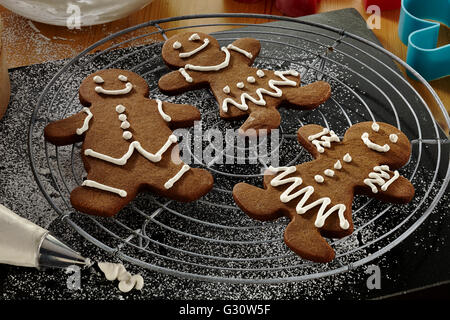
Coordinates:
(309, 96)
(387, 186)
(70, 130)
(247, 49)
(316, 139)
(179, 81)
(178, 115)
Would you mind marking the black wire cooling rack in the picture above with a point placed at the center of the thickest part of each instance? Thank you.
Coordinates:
(211, 239)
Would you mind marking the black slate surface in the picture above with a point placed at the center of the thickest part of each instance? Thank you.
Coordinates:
(421, 260)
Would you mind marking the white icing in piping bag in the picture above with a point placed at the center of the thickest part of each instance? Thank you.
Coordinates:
(22, 243)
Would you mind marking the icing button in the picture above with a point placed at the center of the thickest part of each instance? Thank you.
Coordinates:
(127, 135)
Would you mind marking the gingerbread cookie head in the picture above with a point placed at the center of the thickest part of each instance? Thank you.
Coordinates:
(112, 84)
(191, 48)
(386, 143)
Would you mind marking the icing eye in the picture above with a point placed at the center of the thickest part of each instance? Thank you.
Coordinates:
(176, 45)
(98, 79)
(375, 127)
(194, 37)
(393, 138)
(122, 78)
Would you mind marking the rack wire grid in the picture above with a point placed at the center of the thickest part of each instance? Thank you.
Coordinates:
(212, 239)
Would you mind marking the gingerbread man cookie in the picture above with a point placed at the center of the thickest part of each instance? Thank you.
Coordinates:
(241, 90)
(317, 196)
(128, 144)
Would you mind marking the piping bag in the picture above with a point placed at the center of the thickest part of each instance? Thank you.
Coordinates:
(23, 243)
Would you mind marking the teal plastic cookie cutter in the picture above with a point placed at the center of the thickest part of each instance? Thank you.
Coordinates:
(421, 35)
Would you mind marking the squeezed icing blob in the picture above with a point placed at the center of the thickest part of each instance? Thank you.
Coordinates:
(116, 271)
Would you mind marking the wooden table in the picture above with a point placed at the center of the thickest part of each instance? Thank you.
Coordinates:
(31, 42)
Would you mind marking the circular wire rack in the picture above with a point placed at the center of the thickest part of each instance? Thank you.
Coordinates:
(212, 239)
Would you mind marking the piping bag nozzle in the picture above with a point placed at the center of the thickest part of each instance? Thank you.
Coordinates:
(23, 243)
(55, 254)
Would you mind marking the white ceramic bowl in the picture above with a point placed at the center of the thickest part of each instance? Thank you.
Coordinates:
(69, 12)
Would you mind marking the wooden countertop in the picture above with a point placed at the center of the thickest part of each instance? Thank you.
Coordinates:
(31, 42)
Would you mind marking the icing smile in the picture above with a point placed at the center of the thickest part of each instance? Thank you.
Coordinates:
(127, 89)
(374, 146)
(191, 53)
(100, 89)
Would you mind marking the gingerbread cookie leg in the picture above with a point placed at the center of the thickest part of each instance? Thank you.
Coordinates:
(302, 237)
(187, 184)
(256, 202)
(266, 119)
(102, 195)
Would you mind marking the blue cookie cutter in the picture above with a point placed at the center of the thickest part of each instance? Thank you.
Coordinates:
(421, 36)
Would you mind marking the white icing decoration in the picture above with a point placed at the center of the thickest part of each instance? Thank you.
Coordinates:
(374, 146)
(216, 67)
(251, 79)
(241, 51)
(125, 125)
(125, 90)
(165, 116)
(169, 184)
(338, 165)
(127, 135)
(185, 75)
(260, 73)
(393, 138)
(325, 141)
(260, 91)
(191, 53)
(329, 173)
(98, 79)
(240, 85)
(319, 178)
(306, 192)
(226, 89)
(122, 117)
(94, 184)
(176, 45)
(135, 145)
(120, 108)
(375, 127)
(347, 158)
(379, 176)
(85, 126)
(122, 78)
(116, 271)
(194, 37)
